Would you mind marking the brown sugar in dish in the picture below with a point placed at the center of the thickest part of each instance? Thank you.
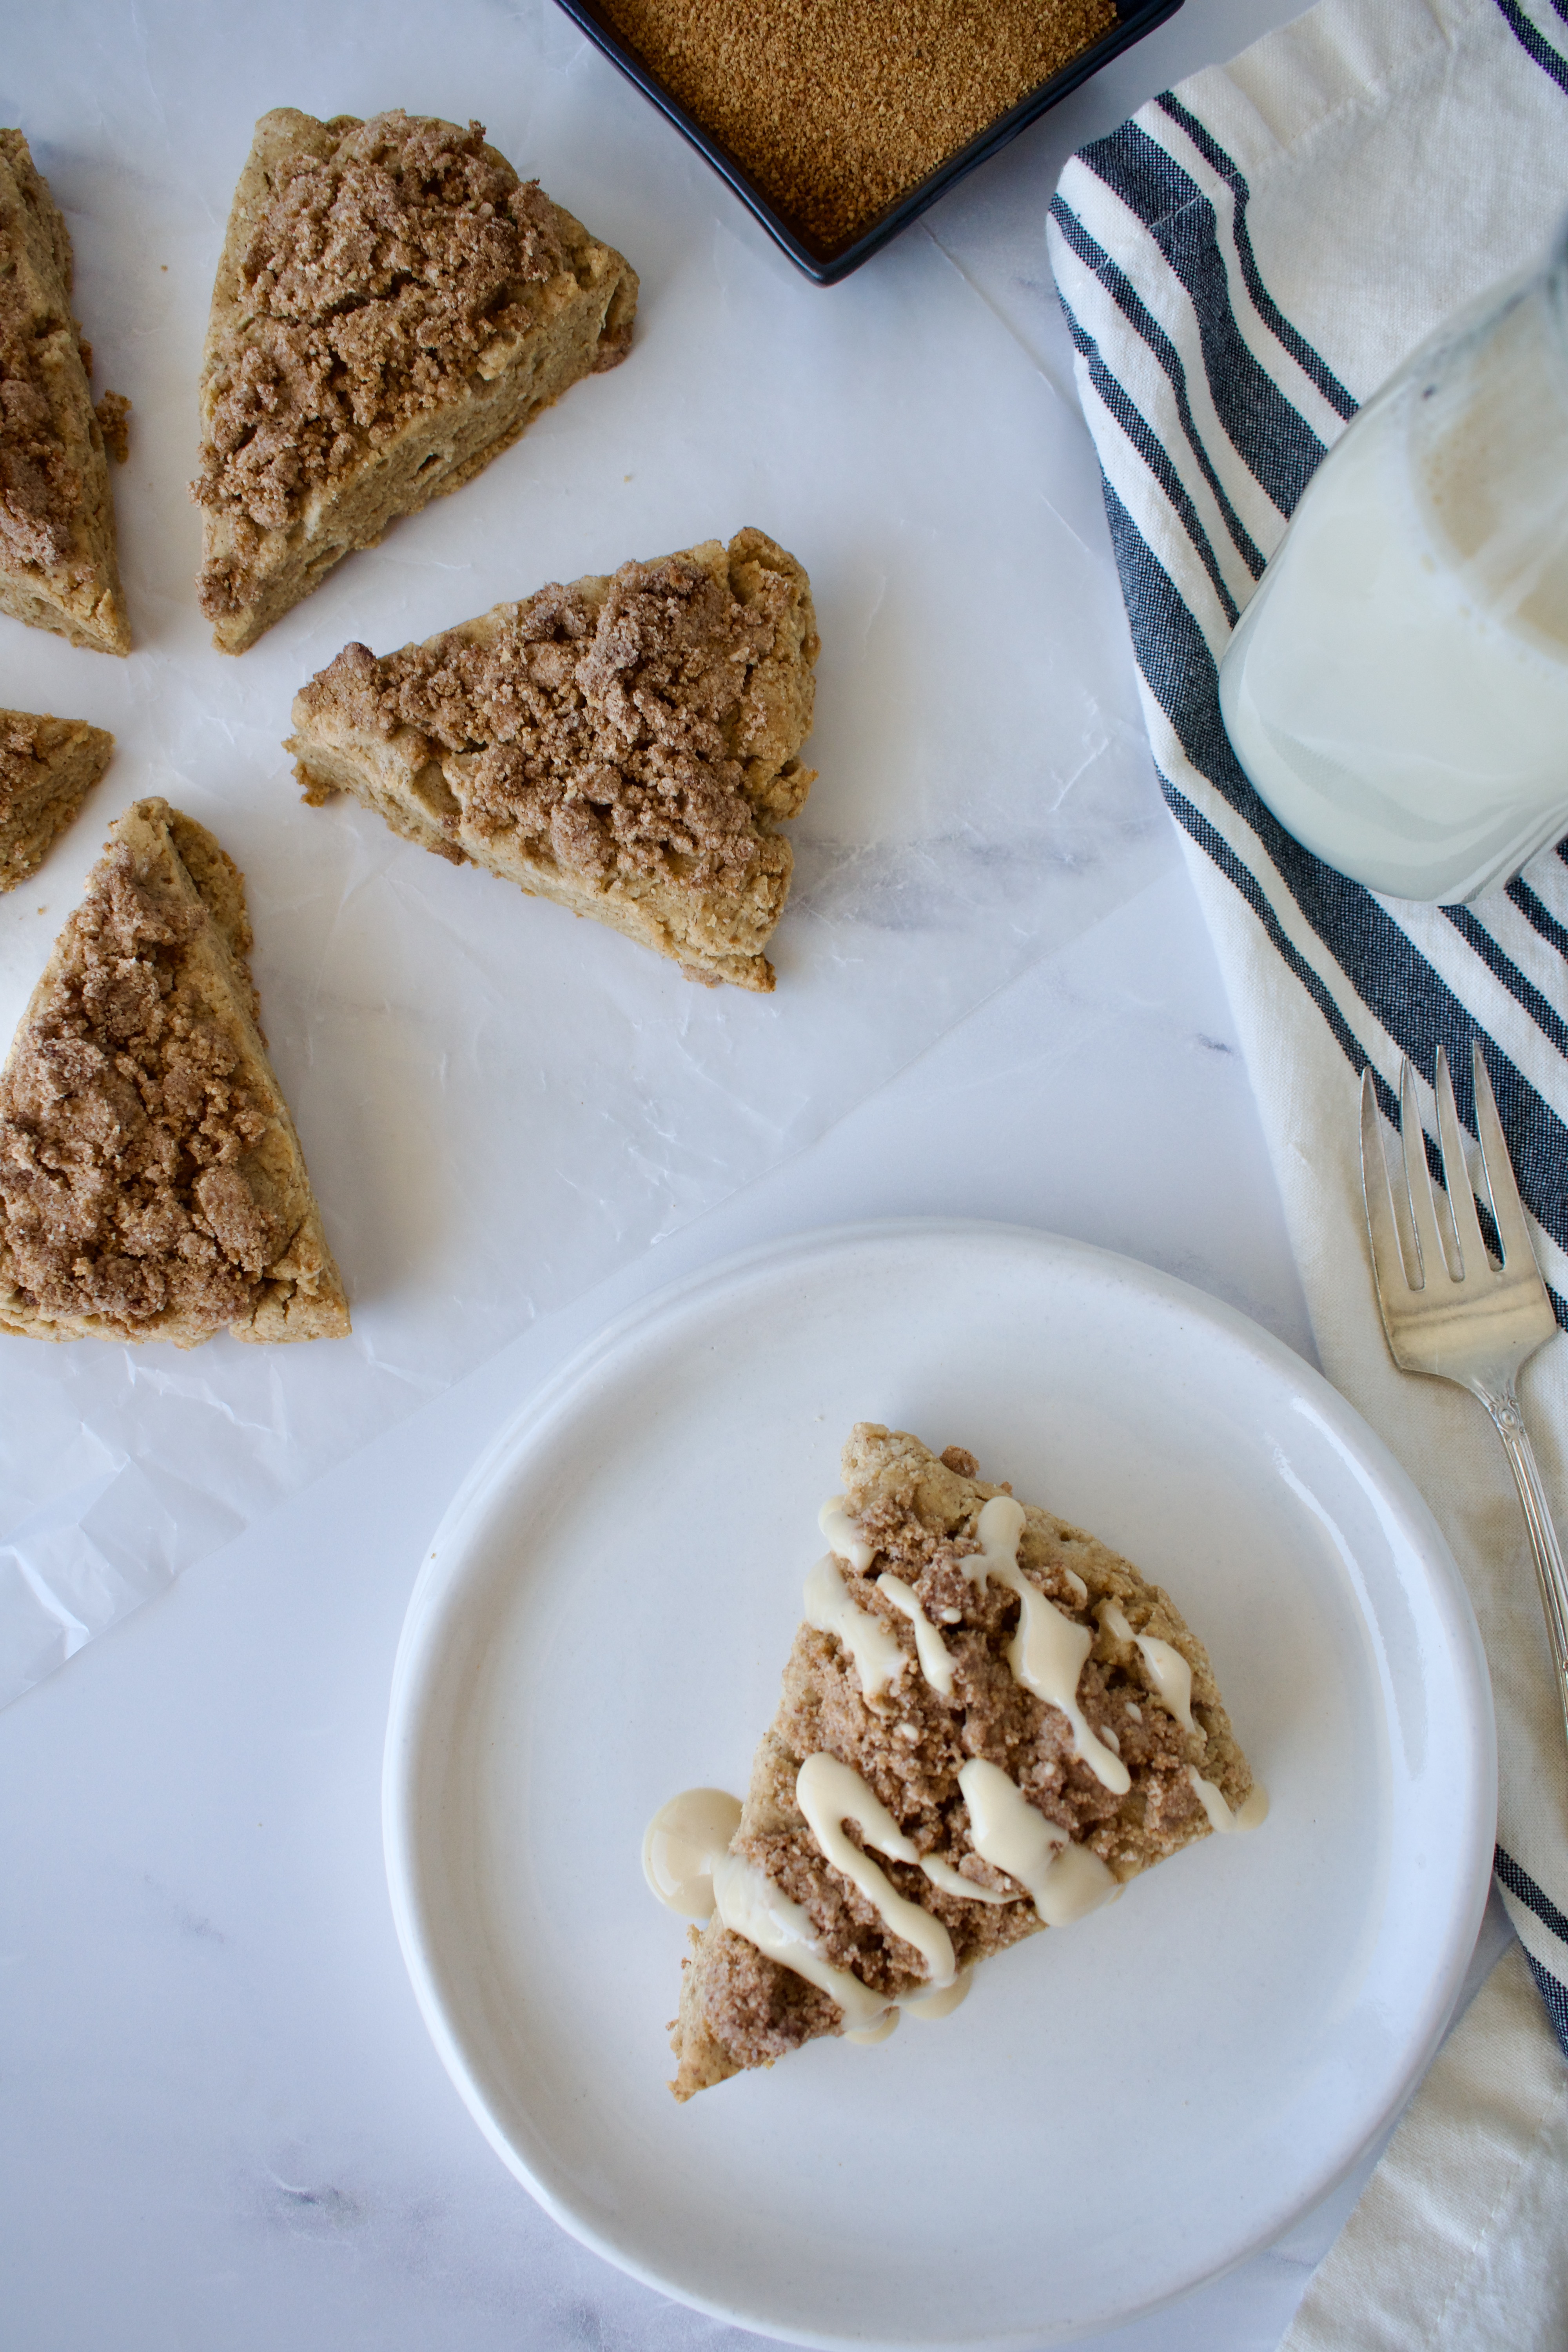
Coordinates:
(916, 1513)
(152, 1185)
(47, 767)
(57, 564)
(394, 305)
(838, 108)
(625, 745)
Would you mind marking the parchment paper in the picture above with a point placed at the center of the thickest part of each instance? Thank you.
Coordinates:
(500, 1104)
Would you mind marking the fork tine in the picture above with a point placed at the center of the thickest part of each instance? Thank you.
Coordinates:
(1418, 1180)
(1508, 1212)
(1473, 1258)
(1387, 1259)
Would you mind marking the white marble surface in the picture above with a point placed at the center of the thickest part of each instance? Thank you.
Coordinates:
(223, 2124)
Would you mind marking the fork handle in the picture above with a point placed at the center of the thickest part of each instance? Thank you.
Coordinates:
(1551, 1573)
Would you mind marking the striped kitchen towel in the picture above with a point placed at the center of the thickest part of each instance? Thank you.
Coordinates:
(1241, 265)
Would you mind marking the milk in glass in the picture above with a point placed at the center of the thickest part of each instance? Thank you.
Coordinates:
(1397, 689)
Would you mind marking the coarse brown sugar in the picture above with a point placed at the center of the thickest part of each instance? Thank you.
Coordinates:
(838, 108)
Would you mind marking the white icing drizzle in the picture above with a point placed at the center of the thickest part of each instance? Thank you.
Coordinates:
(953, 1881)
(1171, 1677)
(681, 1844)
(928, 2006)
(932, 1650)
(750, 1904)
(829, 1794)
(1047, 1652)
(831, 1608)
(869, 2034)
(997, 1531)
(1252, 1810)
(1064, 1880)
(1112, 1740)
(1134, 1710)
(1080, 1589)
(838, 1533)
(1168, 1670)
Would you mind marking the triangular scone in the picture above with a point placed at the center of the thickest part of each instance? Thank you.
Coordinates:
(1079, 1808)
(393, 305)
(624, 746)
(57, 567)
(47, 767)
(152, 1185)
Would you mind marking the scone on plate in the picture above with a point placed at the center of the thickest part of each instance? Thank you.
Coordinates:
(152, 1185)
(625, 745)
(47, 767)
(990, 1723)
(58, 565)
(393, 305)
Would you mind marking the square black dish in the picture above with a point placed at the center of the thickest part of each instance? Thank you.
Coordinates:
(828, 263)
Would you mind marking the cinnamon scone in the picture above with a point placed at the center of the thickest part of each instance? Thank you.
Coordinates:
(57, 564)
(152, 1185)
(47, 767)
(393, 307)
(625, 745)
(990, 1723)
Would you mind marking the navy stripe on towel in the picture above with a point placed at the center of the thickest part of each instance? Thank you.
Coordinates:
(1555, 1997)
(1123, 292)
(1272, 438)
(1539, 916)
(1533, 43)
(1311, 363)
(1155, 458)
(1523, 1889)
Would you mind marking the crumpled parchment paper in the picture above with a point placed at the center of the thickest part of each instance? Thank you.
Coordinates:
(500, 1104)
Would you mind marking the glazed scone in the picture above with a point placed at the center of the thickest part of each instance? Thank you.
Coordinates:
(1045, 1810)
(393, 305)
(624, 746)
(152, 1185)
(47, 767)
(57, 564)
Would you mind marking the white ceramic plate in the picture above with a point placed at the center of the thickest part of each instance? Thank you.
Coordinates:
(1122, 2107)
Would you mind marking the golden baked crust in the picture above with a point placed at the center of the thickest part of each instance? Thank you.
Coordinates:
(624, 746)
(392, 308)
(57, 564)
(152, 1185)
(47, 767)
(918, 1512)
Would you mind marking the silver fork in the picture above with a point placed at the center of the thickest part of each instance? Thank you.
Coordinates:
(1476, 1325)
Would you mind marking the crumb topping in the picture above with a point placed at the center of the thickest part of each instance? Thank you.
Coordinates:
(39, 487)
(376, 279)
(122, 1127)
(613, 736)
(918, 1512)
(113, 415)
(24, 743)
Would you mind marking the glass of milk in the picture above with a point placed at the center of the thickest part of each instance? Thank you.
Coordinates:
(1397, 689)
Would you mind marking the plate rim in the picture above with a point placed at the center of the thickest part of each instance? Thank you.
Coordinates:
(441, 1575)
